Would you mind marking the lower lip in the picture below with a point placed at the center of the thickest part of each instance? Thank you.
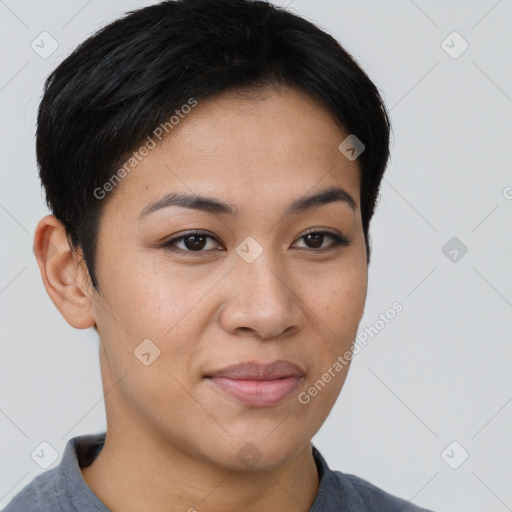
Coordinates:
(258, 393)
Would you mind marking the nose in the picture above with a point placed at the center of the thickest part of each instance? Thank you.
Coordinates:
(262, 300)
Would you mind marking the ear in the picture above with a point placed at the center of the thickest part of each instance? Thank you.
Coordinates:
(64, 274)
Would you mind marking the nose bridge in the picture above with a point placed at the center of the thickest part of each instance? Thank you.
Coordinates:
(262, 277)
(261, 297)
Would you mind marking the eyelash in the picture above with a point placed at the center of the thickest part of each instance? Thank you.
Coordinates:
(338, 241)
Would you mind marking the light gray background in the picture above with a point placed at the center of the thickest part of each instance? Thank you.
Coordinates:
(439, 372)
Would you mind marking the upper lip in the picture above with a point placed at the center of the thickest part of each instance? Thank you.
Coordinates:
(252, 370)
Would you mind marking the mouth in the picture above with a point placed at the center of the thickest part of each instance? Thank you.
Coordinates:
(258, 385)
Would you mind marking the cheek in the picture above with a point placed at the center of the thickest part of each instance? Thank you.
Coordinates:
(148, 296)
(338, 300)
(337, 304)
(162, 303)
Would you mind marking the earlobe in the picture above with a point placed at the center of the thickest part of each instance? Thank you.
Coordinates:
(63, 273)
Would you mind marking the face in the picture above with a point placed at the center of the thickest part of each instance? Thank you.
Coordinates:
(190, 290)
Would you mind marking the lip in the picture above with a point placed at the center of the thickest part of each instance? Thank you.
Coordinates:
(256, 384)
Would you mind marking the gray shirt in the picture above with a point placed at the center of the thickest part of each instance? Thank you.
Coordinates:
(63, 489)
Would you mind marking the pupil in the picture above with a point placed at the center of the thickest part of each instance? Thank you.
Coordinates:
(197, 245)
(316, 239)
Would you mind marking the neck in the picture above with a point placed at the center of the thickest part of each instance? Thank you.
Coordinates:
(133, 473)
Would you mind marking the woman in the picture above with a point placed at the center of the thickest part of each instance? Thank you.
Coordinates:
(212, 168)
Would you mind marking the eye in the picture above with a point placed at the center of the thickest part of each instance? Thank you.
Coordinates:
(315, 240)
(193, 242)
(197, 242)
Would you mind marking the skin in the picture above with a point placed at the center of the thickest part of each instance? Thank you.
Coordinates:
(173, 437)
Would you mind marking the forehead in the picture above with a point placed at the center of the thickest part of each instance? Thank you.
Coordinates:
(270, 145)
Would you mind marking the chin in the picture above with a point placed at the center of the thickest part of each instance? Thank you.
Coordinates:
(247, 453)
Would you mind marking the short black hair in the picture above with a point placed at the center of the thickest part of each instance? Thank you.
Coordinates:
(108, 96)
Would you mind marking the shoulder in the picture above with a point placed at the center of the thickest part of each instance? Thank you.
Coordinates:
(346, 492)
(40, 495)
(372, 497)
(63, 489)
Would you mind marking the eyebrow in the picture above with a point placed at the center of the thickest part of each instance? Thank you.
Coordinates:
(217, 207)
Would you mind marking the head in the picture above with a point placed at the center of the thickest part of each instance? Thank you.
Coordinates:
(246, 107)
